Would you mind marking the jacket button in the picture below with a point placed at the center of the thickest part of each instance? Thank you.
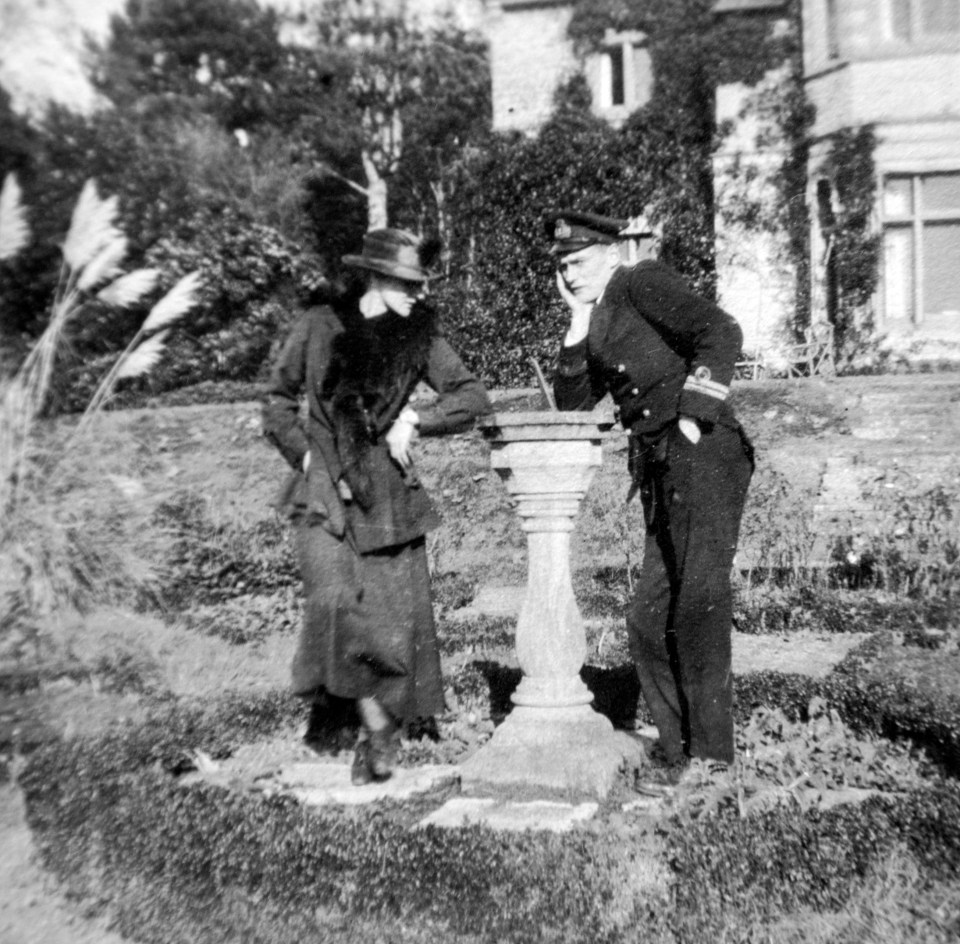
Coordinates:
(645, 412)
(634, 392)
(621, 368)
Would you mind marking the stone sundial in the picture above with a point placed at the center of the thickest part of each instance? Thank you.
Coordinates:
(553, 741)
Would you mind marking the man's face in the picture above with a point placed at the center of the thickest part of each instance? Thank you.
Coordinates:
(587, 271)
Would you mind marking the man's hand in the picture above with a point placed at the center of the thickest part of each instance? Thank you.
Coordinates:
(401, 436)
(579, 312)
(344, 490)
(690, 428)
(306, 462)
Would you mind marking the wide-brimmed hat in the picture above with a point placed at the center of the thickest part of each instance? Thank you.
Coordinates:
(394, 252)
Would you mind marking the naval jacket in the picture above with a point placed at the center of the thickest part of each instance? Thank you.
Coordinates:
(398, 509)
(661, 350)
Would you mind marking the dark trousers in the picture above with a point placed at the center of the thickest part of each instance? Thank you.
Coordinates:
(679, 621)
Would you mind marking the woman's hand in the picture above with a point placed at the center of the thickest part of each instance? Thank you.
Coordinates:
(401, 436)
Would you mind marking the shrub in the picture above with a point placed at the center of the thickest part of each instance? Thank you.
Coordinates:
(107, 819)
(212, 563)
(246, 618)
(177, 862)
(733, 872)
(47, 564)
(914, 548)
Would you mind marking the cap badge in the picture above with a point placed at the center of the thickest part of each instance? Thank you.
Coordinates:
(562, 230)
(702, 373)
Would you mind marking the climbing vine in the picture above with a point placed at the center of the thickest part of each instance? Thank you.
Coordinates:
(675, 135)
(855, 254)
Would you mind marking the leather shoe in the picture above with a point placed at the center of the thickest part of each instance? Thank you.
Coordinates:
(360, 772)
(383, 751)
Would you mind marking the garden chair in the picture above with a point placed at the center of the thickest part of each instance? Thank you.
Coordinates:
(815, 355)
(751, 366)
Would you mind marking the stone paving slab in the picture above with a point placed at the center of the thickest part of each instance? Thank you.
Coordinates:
(509, 815)
(322, 784)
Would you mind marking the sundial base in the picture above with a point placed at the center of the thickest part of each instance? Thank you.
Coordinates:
(572, 752)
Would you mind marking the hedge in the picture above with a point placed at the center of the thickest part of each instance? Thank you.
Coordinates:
(204, 863)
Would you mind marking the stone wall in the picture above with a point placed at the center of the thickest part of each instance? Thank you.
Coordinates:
(530, 56)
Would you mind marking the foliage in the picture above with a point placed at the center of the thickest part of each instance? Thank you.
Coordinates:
(47, 564)
(252, 278)
(501, 276)
(754, 199)
(914, 548)
(112, 819)
(850, 167)
(867, 700)
(744, 871)
(108, 794)
(413, 97)
(500, 304)
(214, 563)
(218, 54)
(246, 618)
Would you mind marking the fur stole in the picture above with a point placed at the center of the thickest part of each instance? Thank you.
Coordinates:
(375, 365)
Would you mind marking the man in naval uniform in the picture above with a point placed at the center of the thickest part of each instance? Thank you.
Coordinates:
(667, 357)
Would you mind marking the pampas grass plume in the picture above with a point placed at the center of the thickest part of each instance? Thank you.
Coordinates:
(105, 265)
(142, 358)
(129, 288)
(14, 232)
(91, 227)
(175, 303)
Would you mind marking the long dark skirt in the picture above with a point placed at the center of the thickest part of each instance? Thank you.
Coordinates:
(368, 625)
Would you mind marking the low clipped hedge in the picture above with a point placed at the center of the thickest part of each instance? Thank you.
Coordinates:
(111, 821)
(203, 863)
(738, 873)
(874, 703)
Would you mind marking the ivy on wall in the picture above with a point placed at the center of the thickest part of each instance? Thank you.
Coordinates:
(675, 134)
(856, 244)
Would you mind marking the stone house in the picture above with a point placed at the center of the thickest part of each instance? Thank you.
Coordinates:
(894, 64)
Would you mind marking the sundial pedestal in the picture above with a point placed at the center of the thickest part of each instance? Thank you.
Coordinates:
(552, 741)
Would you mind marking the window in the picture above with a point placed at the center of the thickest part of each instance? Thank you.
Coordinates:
(913, 20)
(921, 250)
(625, 75)
(613, 76)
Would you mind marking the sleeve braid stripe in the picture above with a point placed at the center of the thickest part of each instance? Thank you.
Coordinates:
(709, 388)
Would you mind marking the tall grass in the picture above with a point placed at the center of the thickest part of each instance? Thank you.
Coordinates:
(47, 559)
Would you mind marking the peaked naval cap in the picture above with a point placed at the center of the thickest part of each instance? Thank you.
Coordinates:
(570, 230)
(393, 252)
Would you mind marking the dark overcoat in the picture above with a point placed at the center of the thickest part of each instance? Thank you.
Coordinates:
(395, 508)
(368, 625)
(660, 349)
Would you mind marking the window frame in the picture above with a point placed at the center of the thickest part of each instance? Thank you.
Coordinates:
(916, 33)
(914, 219)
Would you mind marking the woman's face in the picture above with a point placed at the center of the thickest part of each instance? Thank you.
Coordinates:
(398, 295)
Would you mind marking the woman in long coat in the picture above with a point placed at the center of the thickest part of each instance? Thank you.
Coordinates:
(359, 509)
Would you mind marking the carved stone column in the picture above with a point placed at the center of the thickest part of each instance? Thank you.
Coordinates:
(553, 740)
